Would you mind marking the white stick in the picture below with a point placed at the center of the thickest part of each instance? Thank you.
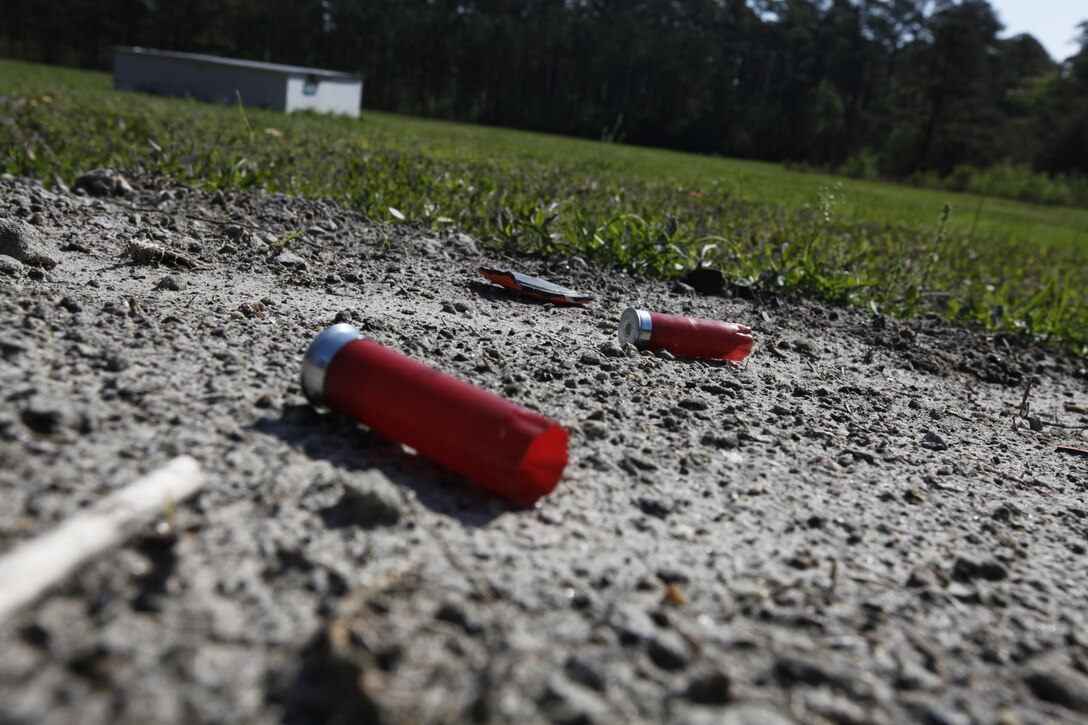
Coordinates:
(38, 564)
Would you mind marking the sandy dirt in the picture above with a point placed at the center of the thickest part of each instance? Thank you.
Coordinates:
(865, 524)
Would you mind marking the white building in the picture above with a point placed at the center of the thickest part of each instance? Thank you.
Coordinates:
(260, 85)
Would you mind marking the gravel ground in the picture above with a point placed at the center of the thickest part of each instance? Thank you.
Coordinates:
(865, 524)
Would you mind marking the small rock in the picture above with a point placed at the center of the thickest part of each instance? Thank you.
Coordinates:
(115, 362)
(1035, 423)
(914, 496)
(963, 593)
(564, 704)
(290, 259)
(595, 431)
(461, 306)
(466, 244)
(611, 349)
(664, 355)
(577, 263)
(709, 688)
(792, 670)
(1060, 685)
(24, 243)
(49, 416)
(585, 674)
(11, 266)
(578, 599)
(455, 614)
(679, 288)
(729, 388)
(10, 349)
(693, 404)
(722, 441)
(668, 651)
(802, 560)
(169, 282)
(102, 182)
(633, 464)
(654, 507)
(370, 500)
(965, 569)
(252, 309)
(589, 358)
(933, 442)
(672, 576)
(631, 624)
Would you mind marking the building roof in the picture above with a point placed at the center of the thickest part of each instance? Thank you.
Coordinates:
(236, 62)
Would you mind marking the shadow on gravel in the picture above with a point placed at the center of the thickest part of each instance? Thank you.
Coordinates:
(326, 689)
(350, 447)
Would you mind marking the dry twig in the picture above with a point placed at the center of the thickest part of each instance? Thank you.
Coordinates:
(32, 568)
(151, 254)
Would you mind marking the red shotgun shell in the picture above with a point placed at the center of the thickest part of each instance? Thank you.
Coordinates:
(687, 336)
(508, 449)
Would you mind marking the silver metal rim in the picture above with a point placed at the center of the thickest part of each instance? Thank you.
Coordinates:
(635, 327)
(318, 356)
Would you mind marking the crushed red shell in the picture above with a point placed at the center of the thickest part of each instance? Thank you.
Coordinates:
(535, 287)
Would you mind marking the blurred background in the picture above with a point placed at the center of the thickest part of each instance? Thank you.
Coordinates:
(893, 89)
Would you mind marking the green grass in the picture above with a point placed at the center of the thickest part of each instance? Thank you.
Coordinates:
(1007, 265)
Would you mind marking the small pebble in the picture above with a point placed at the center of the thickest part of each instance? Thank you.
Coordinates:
(585, 674)
(11, 266)
(595, 431)
(103, 182)
(966, 569)
(933, 442)
(169, 282)
(1060, 685)
(709, 688)
(610, 348)
(668, 651)
(25, 244)
(290, 259)
(370, 500)
(654, 507)
(680, 288)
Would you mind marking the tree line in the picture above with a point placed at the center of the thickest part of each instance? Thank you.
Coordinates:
(893, 88)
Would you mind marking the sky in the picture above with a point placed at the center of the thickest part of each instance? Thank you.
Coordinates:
(1052, 22)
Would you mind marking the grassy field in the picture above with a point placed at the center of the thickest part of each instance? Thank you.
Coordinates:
(1010, 266)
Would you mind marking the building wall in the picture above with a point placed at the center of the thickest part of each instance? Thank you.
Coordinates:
(326, 95)
(205, 81)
